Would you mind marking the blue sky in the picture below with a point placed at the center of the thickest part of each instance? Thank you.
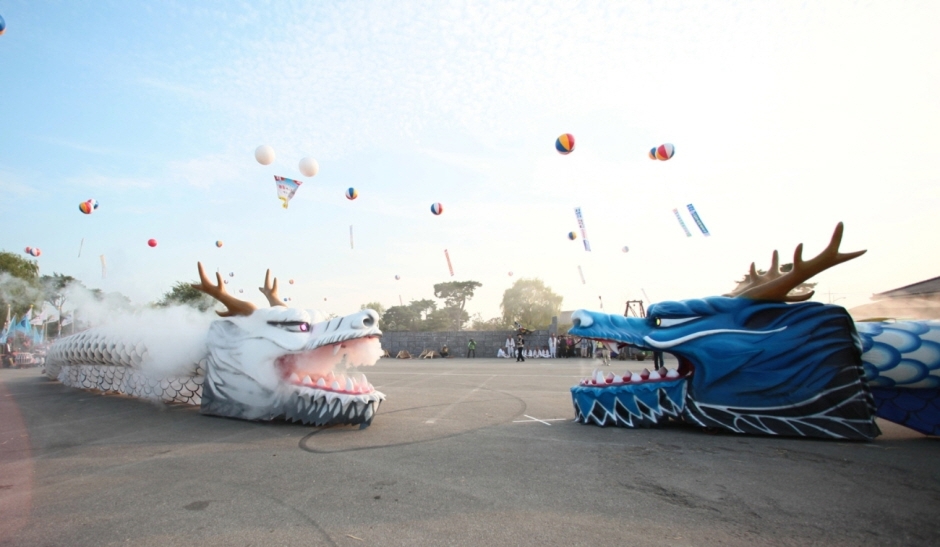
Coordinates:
(787, 118)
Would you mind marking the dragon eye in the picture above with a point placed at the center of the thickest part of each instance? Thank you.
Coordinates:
(291, 326)
(657, 321)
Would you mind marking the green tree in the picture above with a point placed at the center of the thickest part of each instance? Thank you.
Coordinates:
(183, 293)
(496, 323)
(20, 287)
(530, 303)
(400, 318)
(445, 319)
(54, 289)
(455, 295)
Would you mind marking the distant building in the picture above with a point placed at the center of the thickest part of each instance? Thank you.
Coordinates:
(916, 301)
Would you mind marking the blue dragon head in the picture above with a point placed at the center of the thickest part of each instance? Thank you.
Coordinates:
(748, 363)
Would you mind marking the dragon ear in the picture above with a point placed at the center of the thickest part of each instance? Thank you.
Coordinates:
(776, 285)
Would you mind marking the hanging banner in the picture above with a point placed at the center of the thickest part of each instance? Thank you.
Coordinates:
(587, 244)
(449, 265)
(351, 237)
(80, 245)
(286, 188)
(581, 273)
(698, 221)
(682, 223)
(104, 268)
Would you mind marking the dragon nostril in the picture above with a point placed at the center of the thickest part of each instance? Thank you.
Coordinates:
(368, 321)
(577, 322)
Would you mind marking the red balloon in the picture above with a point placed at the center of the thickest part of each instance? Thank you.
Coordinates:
(152, 242)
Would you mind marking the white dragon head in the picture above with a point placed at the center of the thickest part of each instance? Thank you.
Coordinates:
(291, 363)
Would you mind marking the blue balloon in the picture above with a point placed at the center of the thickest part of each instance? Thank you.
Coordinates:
(3, 25)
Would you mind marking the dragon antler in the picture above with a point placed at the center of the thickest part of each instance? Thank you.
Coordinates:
(776, 285)
(270, 290)
(234, 306)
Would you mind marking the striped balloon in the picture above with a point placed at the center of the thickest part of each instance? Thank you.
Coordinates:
(437, 208)
(352, 193)
(85, 207)
(665, 151)
(653, 153)
(565, 144)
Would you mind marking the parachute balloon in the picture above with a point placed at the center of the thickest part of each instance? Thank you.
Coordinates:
(352, 193)
(572, 236)
(309, 167)
(625, 249)
(152, 242)
(565, 144)
(665, 151)
(286, 188)
(437, 208)
(264, 154)
(218, 243)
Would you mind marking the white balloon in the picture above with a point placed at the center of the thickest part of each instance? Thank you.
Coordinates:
(626, 249)
(309, 167)
(264, 154)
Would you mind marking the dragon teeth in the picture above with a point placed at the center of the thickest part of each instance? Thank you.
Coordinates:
(672, 374)
(655, 375)
(321, 382)
(634, 377)
(336, 349)
(294, 378)
(308, 381)
(349, 384)
(335, 385)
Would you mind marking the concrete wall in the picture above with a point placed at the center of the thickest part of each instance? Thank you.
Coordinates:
(487, 341)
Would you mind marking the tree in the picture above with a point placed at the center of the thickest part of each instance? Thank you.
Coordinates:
(54, 288)
(20, 287)
(445, 319)
(480, 324)
(530, 303)
(799, 290)
(398, 318)
(380, 309)
(455, 295)
(183, 293)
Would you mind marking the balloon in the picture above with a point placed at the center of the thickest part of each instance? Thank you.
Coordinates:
(285, 298)
(291, 281)
(231, 274)
(28, 250)
(665, 151)
(152, 242)
(437, 208)
(565, 144)
(572, 236)
(33, 251)
(309, 167)
(653, 153)
(3, 25)
(218, 243)
(510, 274)
(241, 290)
(397, 277)
(264, 154)
(88, 207)
(625, 249)
(225, 281)
(352, 193)
(94, 203)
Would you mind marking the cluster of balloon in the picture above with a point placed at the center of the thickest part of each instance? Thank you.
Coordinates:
(32, 251)
(152, 242)
(625, 249)
(565, 144)
(351, 193)
(264, 154)
(309, 167)
(218, 243)
(662, 152)
(88, 207)
(572, 236)
(437, 208)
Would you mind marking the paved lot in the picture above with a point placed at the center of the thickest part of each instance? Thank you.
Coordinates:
(463, 452)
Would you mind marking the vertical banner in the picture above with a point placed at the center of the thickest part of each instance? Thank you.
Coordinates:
(104, 268)
(577, 213)
(698, 221)
(80, 245)
(682, 223)
(449, 265)
(350, 237)
(581, 273)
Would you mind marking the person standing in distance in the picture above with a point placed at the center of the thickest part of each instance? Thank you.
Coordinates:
(471, 349)
(520, 347)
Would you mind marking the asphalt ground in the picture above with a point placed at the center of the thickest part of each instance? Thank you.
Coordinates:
(462, 452)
